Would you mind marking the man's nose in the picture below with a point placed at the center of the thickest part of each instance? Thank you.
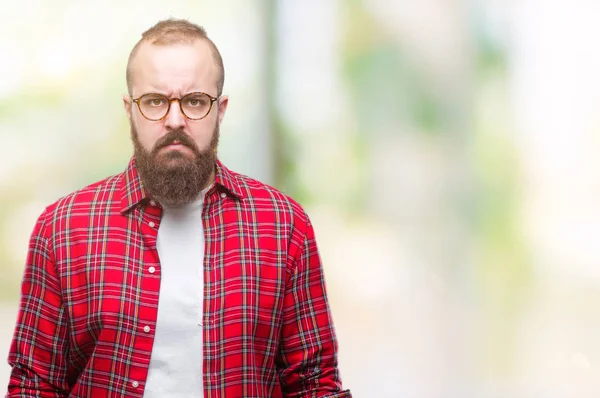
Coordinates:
(175, 118)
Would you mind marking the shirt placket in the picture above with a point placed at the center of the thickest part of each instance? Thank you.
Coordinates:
(149, 282)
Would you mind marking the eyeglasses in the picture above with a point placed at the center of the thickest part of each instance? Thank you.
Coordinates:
(194, 106)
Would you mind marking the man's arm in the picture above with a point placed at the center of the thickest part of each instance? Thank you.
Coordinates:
(308, 349)
(38, 353)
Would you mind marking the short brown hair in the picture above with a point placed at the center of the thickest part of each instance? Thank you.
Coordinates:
(172, 31)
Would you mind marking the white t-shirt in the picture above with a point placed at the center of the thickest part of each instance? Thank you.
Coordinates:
(176, 361)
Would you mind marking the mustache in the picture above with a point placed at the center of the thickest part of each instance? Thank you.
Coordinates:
(175, 135)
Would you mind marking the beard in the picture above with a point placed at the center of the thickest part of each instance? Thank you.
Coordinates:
(173, 177)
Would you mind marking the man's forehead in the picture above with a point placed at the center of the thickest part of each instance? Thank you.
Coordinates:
(158, 64)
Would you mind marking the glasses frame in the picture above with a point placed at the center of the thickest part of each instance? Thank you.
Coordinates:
(179, 101)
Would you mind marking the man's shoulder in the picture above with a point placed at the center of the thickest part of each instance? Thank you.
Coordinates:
(262, 195)
(95, 195)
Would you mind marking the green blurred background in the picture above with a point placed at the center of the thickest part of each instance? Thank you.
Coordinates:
(446, 151)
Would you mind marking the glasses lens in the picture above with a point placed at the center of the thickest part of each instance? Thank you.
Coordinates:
(196, 105)
(154, 106)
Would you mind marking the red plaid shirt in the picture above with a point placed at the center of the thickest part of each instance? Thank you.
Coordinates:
(89, 297)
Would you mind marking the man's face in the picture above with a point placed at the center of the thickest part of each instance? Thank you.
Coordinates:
(175, 156)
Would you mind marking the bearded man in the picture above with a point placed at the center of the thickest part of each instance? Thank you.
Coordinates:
(177, 277)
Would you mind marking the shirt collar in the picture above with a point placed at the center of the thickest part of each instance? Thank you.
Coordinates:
(227, 179)
(133, 191)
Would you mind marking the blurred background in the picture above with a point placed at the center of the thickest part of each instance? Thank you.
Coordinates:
(446, 151)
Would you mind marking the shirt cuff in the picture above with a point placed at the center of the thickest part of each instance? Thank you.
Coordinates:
(341, 394)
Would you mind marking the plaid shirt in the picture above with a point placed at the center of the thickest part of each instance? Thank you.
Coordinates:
(89, 296)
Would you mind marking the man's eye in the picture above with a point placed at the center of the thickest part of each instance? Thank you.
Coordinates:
(196, 102)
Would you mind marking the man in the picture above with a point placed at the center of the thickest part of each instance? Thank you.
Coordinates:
(178, 277)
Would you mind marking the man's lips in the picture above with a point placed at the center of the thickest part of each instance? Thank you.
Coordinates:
(175, 144)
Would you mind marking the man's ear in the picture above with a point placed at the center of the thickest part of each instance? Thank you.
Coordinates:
(127, 104)
(223, 101)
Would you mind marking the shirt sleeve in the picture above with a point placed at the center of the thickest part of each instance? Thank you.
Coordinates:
(307, 360)
(38, 352)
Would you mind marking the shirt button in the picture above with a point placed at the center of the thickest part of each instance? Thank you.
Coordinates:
(135, 384)
(153, 203)
(151, 223)
(223, 195)
(151, 270)
(146, 329)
